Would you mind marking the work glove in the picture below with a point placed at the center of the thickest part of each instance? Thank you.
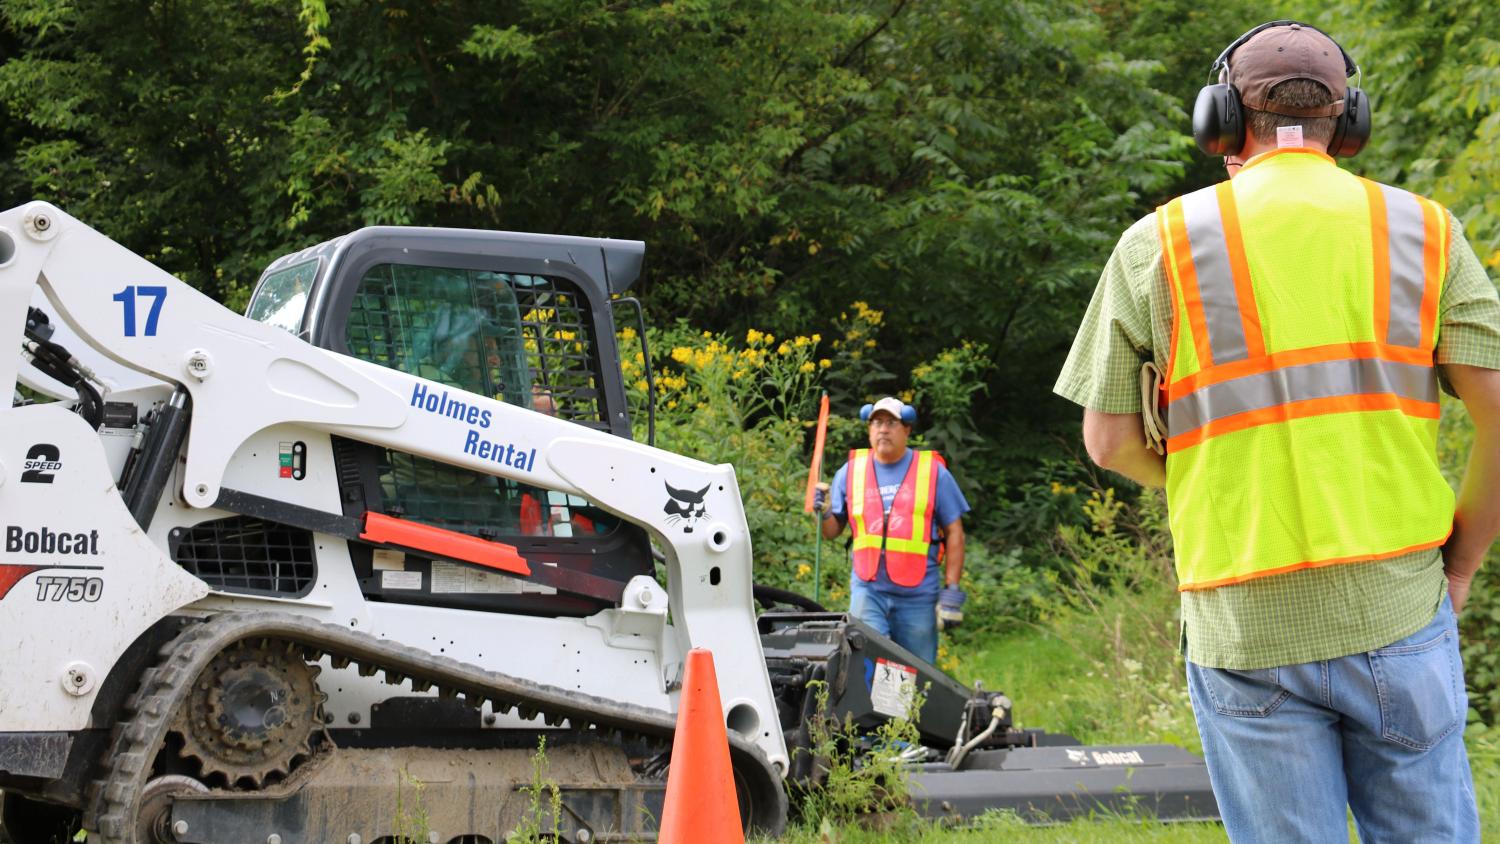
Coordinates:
(950, 607)
(820, 499)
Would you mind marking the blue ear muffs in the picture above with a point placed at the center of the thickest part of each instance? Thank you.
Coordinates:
(908, 414)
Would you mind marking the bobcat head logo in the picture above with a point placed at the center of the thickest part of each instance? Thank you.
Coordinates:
(686, 507)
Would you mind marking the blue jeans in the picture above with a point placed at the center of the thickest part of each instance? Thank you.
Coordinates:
(1383, 732)
(911, 620)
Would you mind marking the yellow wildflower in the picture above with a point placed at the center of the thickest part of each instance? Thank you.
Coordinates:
(870, 343)
(784, 349)
(825, 363)
(641, 385)
(807, 366)
(817, 338)
(682, 354)
(868, 314)
(803, 570)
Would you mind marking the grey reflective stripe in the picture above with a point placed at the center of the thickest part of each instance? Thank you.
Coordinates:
(1296, 383)
(1221, 305)
(1403, 217)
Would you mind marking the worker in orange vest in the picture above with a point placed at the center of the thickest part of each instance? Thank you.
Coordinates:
(903, 507)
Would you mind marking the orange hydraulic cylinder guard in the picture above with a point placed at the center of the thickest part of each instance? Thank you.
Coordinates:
(444, 543)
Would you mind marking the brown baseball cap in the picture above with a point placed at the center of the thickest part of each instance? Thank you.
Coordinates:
(1293, 51)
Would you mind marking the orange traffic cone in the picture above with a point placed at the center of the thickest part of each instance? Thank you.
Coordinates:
(701, 806)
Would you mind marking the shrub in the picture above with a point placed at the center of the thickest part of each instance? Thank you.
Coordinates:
(752, 403)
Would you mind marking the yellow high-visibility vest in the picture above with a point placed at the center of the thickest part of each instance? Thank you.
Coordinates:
(1301, 398)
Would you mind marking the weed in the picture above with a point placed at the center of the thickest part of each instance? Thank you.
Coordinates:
(858, 776)
(410, 827)
(544, 804)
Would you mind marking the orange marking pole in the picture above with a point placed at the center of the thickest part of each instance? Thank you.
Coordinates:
(383, 529)
(816, 469)
(814, 474)
(701, 804)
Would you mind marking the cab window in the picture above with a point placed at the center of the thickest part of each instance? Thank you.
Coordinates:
(521, 339)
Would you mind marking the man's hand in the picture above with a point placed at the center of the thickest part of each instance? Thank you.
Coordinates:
(820, 499)
(950, 607)
(1458, 590)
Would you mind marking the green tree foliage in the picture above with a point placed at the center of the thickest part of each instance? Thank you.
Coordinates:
(149, 122)
(964, 164)
(1432, 70)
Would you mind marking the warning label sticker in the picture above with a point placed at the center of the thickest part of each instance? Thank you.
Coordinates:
(401, 579)
(453, 578)
(892, 688)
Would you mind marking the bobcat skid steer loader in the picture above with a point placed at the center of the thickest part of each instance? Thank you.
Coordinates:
(332, 571)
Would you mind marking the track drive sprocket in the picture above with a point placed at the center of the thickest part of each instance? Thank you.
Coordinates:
(251, 714)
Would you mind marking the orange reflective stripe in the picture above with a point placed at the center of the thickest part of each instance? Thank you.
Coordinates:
(1239, 268)
(855, 481)
(1342, 377)
(1433, 260)
(918, 537)
(1315, 564)
(1301, 410)
(922, 506)
(1295, 357)
(1187, 276)
(1380, 248)
(1171, 274)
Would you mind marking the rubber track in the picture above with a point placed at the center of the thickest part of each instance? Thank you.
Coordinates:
(136, 740)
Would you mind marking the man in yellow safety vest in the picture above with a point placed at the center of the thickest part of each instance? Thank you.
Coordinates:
(1302, 319)
(902, 506)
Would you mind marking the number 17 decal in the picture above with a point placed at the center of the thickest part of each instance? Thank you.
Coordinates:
(127, 297)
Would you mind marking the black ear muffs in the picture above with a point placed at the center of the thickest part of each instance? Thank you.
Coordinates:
(1219, 120)
(1352, 131)
(1219, 117)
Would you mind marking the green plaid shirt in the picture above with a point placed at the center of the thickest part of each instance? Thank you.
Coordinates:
(1310, 614)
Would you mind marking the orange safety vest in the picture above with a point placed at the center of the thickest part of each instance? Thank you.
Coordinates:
(902, 536)
(536, 521)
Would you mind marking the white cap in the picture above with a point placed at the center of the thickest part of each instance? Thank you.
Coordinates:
(903, 413)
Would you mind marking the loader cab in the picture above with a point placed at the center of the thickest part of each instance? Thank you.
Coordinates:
(522, 318)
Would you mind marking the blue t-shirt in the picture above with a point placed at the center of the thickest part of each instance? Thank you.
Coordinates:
(951, 506)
